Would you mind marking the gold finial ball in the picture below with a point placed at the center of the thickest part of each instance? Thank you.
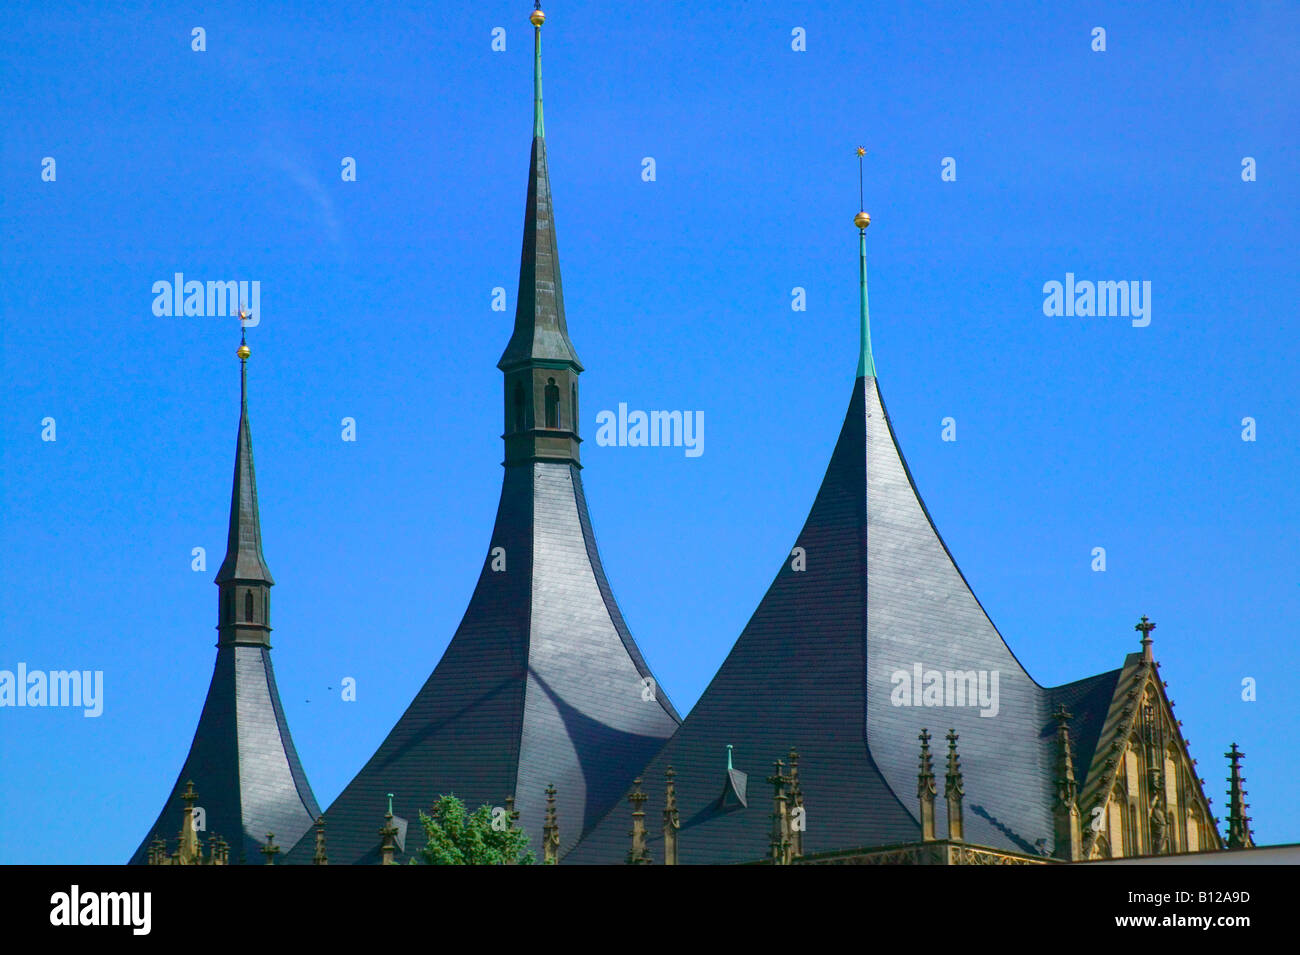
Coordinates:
(862, 220)
(537, 18)
(244, 352)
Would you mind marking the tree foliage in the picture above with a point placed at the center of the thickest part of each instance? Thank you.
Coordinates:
(457, 837)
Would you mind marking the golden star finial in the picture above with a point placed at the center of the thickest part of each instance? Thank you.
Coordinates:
(862, 150)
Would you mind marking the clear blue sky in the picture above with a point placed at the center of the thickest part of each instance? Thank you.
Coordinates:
(1073, 433)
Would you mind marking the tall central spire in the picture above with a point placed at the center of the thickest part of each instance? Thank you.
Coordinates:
(542, 691)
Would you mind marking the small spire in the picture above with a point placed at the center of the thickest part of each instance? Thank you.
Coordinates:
(1065, 812)
(550, 830)
(953, 790)
(387, 836)
(672, 821)
(780, 842)
(1145, 626)
(926, 789)
(190, 852)
(512, 814)
(866, 364)
(320, 858)
(736, 787)
(270, 850)
(244, 569)
(537, 18)
(798, 818)
(1239, 836)
(638, 854)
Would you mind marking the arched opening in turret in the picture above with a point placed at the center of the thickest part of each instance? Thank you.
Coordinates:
(519, 406)
(552, 404)
(248, 606)
(230, 606)
(573, 407)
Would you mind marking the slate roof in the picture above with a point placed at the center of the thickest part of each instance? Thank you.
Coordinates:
(813, 670)
(243, 763)
(542, 683)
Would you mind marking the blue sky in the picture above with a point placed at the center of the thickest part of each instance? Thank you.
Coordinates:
(1072, 432)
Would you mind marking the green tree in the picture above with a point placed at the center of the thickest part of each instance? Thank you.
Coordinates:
(457, 837)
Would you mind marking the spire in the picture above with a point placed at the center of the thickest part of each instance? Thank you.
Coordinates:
(387, 836)
(537, 18)
(672, 820)
(638, 854)
(798, 816)
(1065, 812)
(551, 830)
(953, 791)
(244, 579)
(735, 788)
(1145, 626)
(188, 848)
(270, 850)
(780, 842)
(1239, 836)
(242, 758)
(926, 788)
(321, 857)
(866, 365)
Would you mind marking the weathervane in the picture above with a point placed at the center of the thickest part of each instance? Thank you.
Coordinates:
(861, 220)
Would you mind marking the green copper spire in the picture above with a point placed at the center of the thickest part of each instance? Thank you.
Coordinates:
(537, 18)
(866, 364)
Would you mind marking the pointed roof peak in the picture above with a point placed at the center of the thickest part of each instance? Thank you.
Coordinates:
(244, 559)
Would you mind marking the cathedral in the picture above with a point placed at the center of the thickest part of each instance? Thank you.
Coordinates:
(869, 712)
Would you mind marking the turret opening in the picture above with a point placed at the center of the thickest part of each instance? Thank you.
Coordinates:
(552, 404)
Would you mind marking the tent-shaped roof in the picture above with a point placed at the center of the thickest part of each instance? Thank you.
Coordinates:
(542, 683)
(242, 760)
